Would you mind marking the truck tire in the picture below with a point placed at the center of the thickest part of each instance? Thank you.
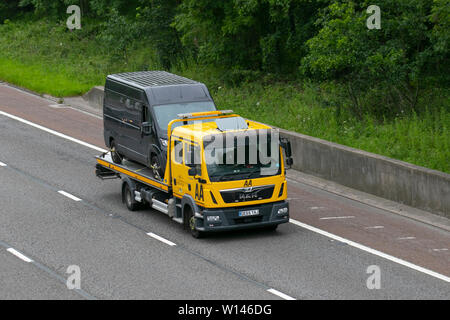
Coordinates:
(190, 222)
(128, 198)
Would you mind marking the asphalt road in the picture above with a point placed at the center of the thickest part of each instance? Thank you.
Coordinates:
(119, 260)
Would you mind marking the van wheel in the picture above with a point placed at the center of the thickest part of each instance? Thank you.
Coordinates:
(155, 164)
(128, 198)
(116, 157)
(190, 222)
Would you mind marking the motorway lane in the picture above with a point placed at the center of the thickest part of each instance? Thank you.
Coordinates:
(86, 127)
(398, 236)
(117, 259)
(292, 260)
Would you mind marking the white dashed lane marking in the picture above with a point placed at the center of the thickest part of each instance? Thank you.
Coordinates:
(332, 218)
(155, 236)
(19, 255)
(2, 164)
(280, 294)
(68, 195)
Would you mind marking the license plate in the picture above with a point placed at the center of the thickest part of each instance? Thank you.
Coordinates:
(248, 213)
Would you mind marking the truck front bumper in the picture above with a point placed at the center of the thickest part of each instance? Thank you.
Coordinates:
(269, 214)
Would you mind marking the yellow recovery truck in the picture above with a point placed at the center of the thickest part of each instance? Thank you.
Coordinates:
(214, 178)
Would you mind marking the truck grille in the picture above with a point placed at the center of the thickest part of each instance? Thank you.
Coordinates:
(247, 194)
(248, 220)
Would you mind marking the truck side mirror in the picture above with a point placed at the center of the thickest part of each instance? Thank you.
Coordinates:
(286, 145)
(146, 128)
(289, 162)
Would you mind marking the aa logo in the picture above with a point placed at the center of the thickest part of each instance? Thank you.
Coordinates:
(199, 194)
(248, 183)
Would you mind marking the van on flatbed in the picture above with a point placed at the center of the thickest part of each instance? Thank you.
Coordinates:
(222, 172)
(138, 106)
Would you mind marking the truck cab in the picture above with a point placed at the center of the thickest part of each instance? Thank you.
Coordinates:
(226, 172)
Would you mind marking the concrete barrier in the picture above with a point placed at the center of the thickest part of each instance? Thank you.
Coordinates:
(392, 179)
(395, 180)
(94, 97)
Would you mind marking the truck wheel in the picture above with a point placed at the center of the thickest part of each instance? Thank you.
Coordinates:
(189, 214)
(128, 198)
(116, 157)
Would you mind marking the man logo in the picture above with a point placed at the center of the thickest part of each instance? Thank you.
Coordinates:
(248, 183)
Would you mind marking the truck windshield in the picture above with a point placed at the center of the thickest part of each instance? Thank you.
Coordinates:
(166, 113)
(241, 159)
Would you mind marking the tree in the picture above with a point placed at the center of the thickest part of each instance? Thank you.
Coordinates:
(388, 65)
(248, 34)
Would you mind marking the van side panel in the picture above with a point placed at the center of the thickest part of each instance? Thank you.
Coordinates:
(113, 112)
(123, 111)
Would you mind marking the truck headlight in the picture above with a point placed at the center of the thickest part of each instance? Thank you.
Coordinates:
(282, 211)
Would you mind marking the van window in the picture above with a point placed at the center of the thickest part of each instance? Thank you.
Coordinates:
(167, 112)
(132, 111)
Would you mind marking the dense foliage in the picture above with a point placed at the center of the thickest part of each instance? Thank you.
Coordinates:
(383, 72)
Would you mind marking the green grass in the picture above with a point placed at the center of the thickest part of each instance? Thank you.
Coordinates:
(38, 78)
(46, 58)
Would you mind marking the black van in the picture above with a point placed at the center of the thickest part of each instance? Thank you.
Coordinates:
(137, 108)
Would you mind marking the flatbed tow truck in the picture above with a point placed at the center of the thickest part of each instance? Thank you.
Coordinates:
(206, 195)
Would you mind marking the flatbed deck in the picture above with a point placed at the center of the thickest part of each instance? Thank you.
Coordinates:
(133, 170)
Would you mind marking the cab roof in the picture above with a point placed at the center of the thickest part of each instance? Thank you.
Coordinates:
(199, 130)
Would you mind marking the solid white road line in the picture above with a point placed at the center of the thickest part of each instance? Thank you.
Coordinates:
(155, 236)
(298, 223)
(68, 195)
(61, 135)
(2, 164)
(331, 218)
(372, 251)
(19, 255)
(280, 294)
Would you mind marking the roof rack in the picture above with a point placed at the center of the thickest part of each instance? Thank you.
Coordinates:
(152, 78)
